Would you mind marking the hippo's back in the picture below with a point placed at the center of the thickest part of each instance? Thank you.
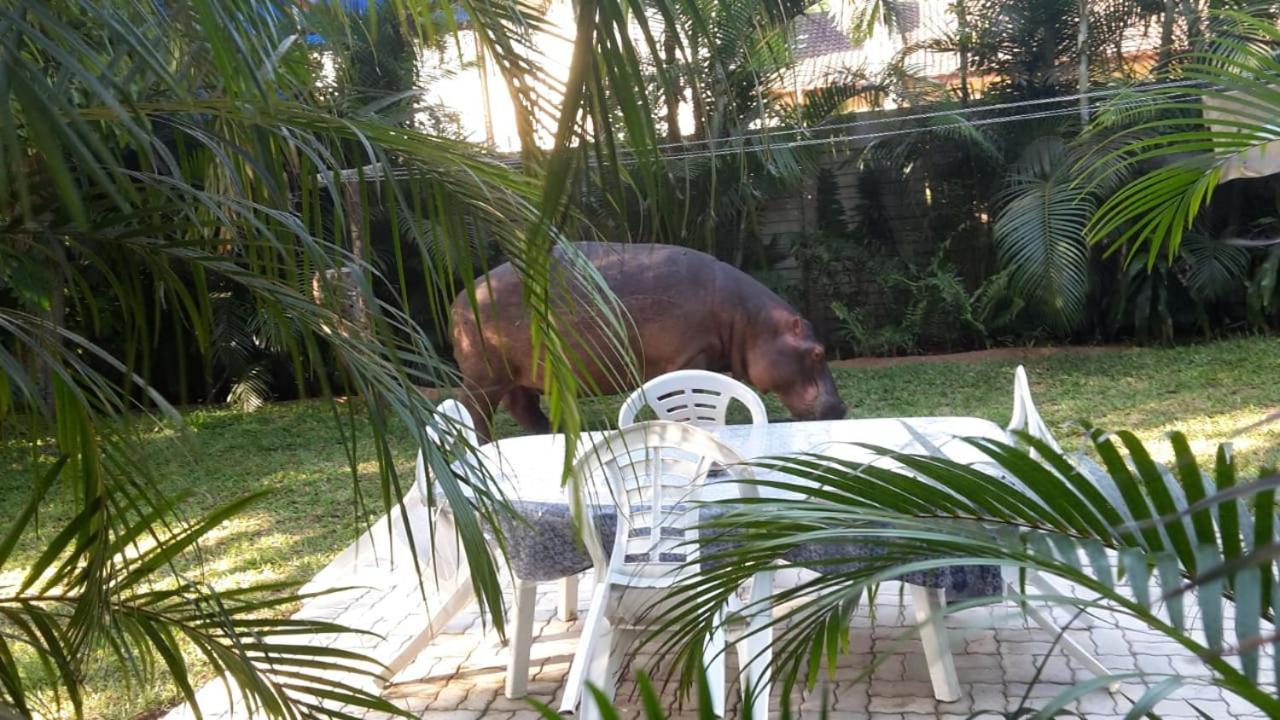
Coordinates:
(633, 271)
(669, 294)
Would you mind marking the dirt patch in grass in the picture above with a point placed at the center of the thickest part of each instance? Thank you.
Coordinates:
(993, 354)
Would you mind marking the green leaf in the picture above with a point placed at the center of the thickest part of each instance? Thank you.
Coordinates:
(28, 511)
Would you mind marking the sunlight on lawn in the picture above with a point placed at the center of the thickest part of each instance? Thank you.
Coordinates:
(295, 451)
(1256, 448)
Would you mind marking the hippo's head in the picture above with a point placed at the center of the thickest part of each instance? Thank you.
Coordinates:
(791, 362)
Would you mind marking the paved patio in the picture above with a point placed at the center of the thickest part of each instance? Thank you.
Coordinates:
(460, 674)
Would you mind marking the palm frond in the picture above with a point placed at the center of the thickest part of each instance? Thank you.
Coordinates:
(1040, 232)
(1183, 149)
(1214, 268)
(161, 155)
(1139, 539)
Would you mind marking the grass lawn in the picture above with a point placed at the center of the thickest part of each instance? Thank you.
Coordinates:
(1207, 391)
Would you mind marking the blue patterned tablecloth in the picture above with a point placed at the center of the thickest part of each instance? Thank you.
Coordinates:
(542, 544)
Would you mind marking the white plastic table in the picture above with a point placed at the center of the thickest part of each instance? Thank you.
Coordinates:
(530, 469)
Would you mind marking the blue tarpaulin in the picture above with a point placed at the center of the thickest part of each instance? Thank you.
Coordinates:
(460, 15)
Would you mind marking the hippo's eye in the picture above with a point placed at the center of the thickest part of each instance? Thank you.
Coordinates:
(817, 355)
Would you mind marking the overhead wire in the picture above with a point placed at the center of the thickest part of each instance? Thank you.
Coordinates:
(806, 138)
(847, 138)
(961, 111)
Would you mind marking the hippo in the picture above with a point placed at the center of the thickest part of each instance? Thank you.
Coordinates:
(686, 310)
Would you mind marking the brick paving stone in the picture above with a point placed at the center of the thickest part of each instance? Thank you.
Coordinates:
(1179, 709)
(1198, 691)
(460, 676)
(854, 666)
(890, 668)
(988, 697)
(1099, 702)
(851, 697)
(895, 704)
(449, 698)
(860, 641)
(915, 666)
(1025, 648)
(981, 641)
(1018, 635)
(1110, 641)
(478, 699)
(502, 702)
(1040, 691)
(1146, 647)
(1023, 668)
(906, 688)
(978, 668)
(1156, 664)
(1238, 705)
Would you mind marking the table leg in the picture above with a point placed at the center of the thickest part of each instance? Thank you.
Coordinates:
(929, 604)
(526, 596)
(568, 610)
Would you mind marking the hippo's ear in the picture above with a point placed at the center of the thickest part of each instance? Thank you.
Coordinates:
(797, 326)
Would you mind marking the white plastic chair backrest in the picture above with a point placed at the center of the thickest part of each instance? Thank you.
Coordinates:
(453, 430)
(698, 397)
(1025, 416)
(652, 472)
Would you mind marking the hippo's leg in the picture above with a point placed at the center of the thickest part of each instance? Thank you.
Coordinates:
(522, 403)
(481, 403)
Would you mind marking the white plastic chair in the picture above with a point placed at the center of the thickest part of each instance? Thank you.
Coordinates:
(1026, 419)
(460, 432)
(1025, 416)
(929, 604)
(451, 575)
(456, 420)
(698, 397)
(654, 472)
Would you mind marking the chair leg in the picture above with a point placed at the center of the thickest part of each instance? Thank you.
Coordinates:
(713, 653)
(755, 648)
(928, 604)
(526, 596)
(596, 639)
(605, 670)
(568, 598)
(600, 670)
(1046, 623)
(450, 592)
(1046, 586)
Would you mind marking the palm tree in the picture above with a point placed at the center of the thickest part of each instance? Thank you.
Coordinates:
(159, 156)
(1176, 156)
(1159, 546)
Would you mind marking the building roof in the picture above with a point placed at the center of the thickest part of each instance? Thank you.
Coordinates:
(816, 34)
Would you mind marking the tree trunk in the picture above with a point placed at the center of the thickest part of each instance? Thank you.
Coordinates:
(1166, 34)
(1049, 55)
(486, 106)
(56, 317)
(962, 46)
(1082, 70)
(1192, 16)
(673, 86)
